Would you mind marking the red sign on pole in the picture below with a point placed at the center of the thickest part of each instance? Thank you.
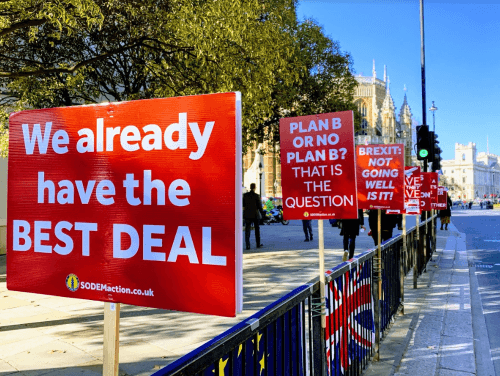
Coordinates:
(380, 173)
(412, 190)
(428, 190)
(128, 202)
(442, 198)
(317, 166)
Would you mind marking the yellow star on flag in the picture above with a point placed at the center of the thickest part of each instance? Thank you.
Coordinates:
(259, 336)
(222, 366)
(262, 363)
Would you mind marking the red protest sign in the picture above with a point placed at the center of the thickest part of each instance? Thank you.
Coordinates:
(128, 202)
(442, 197)
(380, 174)
(317, 166)
(428, 190)
(412, 190)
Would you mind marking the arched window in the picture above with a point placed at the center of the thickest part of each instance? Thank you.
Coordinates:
(463, 157)
(363, 109)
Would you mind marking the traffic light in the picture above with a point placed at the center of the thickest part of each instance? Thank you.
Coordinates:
(423, 142)
(435, 156)
(430, 156)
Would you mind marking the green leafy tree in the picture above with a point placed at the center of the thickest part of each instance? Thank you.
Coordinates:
(157, 48)
(83, 51)
(325, 82)
(20, 23)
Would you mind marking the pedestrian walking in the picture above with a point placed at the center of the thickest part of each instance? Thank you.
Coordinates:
(445, 214)
(481, 204)
(388, 222)
(470, 205)
(350, 229)
(308, 230)
(252, 213)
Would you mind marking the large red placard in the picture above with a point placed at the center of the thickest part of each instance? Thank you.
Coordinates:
(128, 202)
(380, 174)
(428, 190)
(317, 166)
(412, 190)
(442, 198)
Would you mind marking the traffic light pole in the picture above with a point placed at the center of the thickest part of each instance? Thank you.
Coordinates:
(422, 65)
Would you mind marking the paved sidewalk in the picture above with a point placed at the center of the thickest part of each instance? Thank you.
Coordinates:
(53, 336)
(435, 335)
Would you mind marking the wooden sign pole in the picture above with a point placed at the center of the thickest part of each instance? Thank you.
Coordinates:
(424, 266)
(377, 287)
(321, 240)
(415, 253)
(379, 253)
(432, 228)
(111, 339)
(403, 263)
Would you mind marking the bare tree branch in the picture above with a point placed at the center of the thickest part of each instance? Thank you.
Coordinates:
(20, 25)
(81, 64)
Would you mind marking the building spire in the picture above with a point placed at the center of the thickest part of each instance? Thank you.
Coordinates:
(374, 72)
(385, 73)
(388, 103)
(405, 112)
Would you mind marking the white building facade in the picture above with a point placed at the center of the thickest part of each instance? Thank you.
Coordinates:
(471, 175)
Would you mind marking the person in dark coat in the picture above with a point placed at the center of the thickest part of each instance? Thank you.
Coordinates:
(252, 207)
(388, 222)
(445, 214)
(350, 229)
(308, 231)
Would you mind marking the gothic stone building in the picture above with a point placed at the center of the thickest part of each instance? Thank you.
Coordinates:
(380, 125)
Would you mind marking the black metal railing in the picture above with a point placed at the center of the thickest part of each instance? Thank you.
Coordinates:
(275, 341)
(287, 337)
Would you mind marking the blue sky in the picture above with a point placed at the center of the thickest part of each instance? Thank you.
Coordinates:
(462, 59)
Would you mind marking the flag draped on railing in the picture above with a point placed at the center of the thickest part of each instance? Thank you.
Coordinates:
(350, 330)
(277, 349)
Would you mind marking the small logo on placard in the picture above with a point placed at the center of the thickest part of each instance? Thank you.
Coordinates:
(306, 214)
(72, 282)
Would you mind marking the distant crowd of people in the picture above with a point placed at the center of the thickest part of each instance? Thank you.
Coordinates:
(462, 204)
(253, 212)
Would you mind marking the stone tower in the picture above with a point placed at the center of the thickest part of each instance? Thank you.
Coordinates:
(466, 154)
(379, 123)
(405, 128)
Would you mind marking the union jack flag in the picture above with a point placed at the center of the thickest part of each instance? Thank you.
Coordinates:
(350, 329)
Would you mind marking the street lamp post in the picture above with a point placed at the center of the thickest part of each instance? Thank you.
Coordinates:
(433, 109)
(261, 170)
